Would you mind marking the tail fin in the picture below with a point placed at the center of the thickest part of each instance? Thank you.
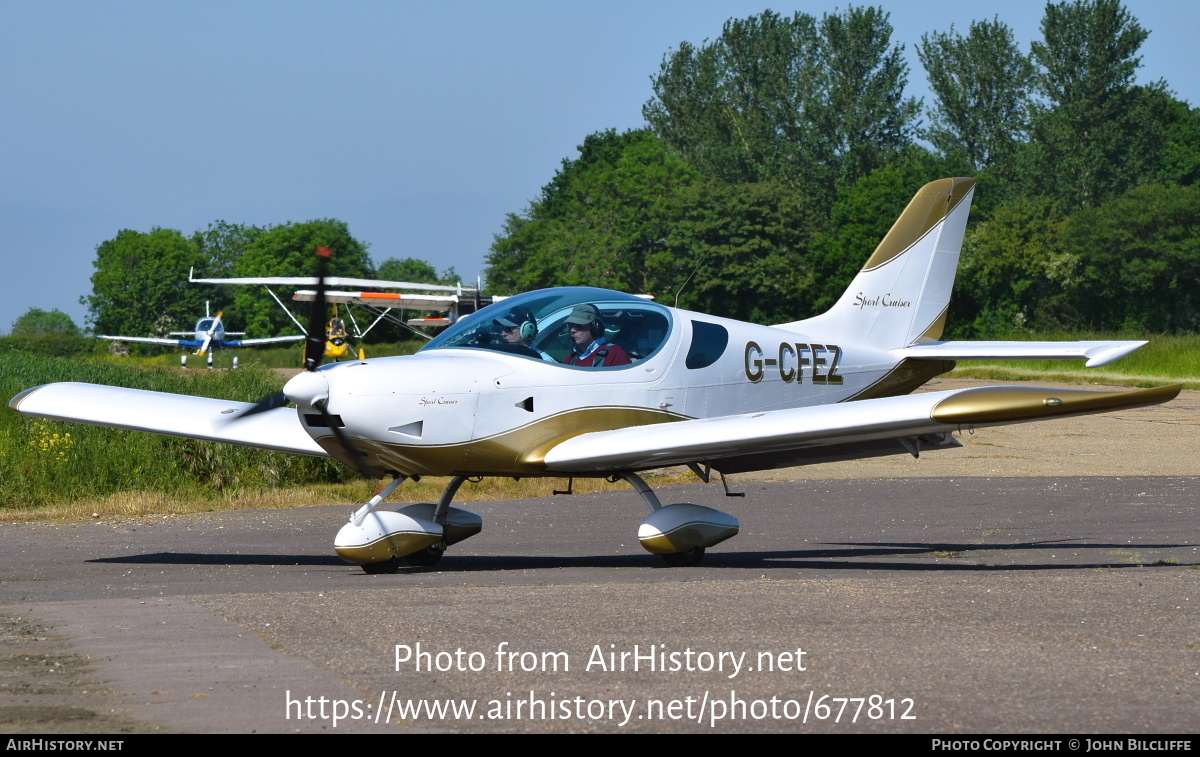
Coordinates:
(901, 296)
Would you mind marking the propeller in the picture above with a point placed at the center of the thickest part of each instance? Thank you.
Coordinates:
(208, 337)
(310, 387)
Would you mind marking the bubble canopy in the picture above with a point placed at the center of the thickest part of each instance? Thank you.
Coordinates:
(638, 325)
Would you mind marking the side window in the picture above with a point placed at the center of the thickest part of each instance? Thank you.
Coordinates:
(639, 330)
(708, 344)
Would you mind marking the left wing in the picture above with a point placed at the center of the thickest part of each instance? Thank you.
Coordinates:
(171, 414)
(849, 430)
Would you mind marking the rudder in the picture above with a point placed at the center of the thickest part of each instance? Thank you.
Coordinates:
(901, 296)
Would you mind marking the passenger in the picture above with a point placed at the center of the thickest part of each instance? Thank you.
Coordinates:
(518, 327)
(589, 347)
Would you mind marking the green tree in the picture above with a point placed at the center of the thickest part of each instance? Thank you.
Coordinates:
(735, 108)
(793, 99)
(289, 250)
(598, 220)
(1099, 134)
(982, 83)
(36, 323)
(864, 117)
(1139, 260)
(739, 251)
(1181, 158)
(140, 284)
(415, 271)
(1015, 273)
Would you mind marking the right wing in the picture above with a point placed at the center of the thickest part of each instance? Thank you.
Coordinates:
(170, 414)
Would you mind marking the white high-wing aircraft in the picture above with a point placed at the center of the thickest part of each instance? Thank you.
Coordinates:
(450, 302)
(208, 335)
(668, 387)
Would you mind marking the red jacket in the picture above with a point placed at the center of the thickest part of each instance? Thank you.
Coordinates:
(607, 354)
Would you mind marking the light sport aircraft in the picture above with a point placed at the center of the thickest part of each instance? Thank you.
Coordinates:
(209, 334)
(711, 393)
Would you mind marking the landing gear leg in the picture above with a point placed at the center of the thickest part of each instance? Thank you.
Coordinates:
(387, 566)
(643, 489)
(376, 501)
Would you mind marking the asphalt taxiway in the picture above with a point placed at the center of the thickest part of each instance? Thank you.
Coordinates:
(931, 605)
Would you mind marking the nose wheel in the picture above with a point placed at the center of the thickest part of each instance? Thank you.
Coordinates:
(688, 559)
(425, 558)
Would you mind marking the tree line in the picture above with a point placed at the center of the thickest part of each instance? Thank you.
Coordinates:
(777, 155)
(140, 285)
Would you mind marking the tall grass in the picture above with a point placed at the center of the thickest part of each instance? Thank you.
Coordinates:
(46, 462)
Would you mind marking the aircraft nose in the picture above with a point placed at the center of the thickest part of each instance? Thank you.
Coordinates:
(307, 389)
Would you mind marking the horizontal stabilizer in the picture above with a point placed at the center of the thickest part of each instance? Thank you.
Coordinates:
(846, 426)
(170, 414)
(1095, 353)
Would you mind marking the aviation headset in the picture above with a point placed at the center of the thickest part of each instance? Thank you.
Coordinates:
(523, 321)
(528, 329)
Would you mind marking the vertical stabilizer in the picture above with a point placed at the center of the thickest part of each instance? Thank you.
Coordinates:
(900, 297)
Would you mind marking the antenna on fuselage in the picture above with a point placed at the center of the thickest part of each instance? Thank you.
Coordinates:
(690, 275)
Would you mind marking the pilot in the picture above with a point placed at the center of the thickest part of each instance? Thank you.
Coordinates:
(518, 327)
(589, 347)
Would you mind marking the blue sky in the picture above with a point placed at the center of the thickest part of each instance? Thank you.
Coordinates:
(419, 124)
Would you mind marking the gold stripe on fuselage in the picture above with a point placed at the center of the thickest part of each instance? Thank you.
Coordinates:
(518, 452)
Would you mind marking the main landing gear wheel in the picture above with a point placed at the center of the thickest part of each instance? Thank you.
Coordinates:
(689, 559)
(425, 558)
(387, 566)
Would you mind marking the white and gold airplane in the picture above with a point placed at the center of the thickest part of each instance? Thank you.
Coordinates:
(576, 382)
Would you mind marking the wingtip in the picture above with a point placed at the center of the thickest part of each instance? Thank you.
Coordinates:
(1012, 404)
(15, 403)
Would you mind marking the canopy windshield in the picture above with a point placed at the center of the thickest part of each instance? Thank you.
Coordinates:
(637, 325)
